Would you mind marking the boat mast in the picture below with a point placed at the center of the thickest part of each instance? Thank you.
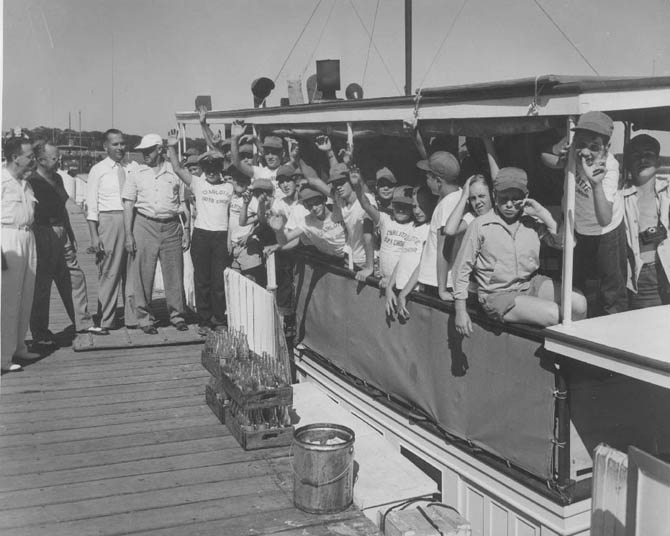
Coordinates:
(408, 47)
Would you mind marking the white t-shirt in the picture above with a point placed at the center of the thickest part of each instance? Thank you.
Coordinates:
(428, 268)
(586, 222)
(393, 236)
(410, 256)
(293, 211)
(327, 236)
(353, 217)
(238, 232)
(211, 204)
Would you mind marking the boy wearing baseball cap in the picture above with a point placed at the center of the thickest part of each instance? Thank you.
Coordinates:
(501, 250)
(646, 214)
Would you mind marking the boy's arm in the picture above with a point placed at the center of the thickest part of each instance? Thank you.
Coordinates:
(491, 156)
(463, 266)
(357, 182)
(213, 140)
(172, 141)
(442, 268)
(455, 223)
(596, 173)
(236, 132)
(323, 144)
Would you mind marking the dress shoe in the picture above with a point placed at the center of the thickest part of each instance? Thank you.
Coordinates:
(95, 330)
(150, 330)
(14, 367)
(181, 326)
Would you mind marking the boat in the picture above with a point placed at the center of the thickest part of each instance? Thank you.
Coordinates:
(505, 421)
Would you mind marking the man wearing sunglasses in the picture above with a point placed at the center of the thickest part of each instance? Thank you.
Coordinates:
(153, 198)
(502, 250)
(646, 213)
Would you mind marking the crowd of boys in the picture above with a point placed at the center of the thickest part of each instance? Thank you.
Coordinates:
(477, 239)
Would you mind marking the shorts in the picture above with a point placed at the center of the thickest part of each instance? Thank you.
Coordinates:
(497, 304)
(246, 255)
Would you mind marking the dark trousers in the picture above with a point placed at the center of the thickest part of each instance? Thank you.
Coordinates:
(603, 258)
(653, 287)
(209, 253)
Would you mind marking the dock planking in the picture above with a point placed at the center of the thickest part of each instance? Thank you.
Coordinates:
(112, 442)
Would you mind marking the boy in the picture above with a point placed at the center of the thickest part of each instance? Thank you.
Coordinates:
(502, 250)
(646, 214)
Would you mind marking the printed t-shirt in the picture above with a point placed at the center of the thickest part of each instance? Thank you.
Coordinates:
(428, 268)
(293, 211)
(211, 203)
(325, 235)
(410, 256)
(586, 222)
(239, 232)
(353, 217)
(393, 236)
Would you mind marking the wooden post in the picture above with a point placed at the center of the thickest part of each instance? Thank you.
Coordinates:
(569, 228)
(272, 273)
(408, 47)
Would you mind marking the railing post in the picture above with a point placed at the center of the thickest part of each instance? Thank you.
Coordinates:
(271, 272)
(569, 229)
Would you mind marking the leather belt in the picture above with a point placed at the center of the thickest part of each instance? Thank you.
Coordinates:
(159, 220)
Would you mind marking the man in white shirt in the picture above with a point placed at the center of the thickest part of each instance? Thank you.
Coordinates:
(105, 225)
(153, 196)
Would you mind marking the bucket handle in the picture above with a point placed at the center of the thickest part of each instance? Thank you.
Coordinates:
(320, 484)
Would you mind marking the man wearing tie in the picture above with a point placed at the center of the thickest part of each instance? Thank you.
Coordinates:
(105, 224)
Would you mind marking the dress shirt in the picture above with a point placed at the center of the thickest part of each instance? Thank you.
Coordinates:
(18, 201)
(501, 259)
(102, 188)
(157, 193)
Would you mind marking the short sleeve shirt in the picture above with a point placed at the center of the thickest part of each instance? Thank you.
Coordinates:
(238, 232)
(428, 269)
(156, 194)
(410, 256)
(293, 211)
(212, 202)
(325, 235)
(393, 236)
(353, 217)
(18, 201)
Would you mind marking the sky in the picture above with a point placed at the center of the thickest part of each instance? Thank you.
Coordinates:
(132, 64)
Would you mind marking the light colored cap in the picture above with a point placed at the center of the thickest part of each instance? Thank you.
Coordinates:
(150, 140)
(442, 163)
(511, 177)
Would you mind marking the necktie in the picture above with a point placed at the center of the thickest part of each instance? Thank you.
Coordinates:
(122, 177)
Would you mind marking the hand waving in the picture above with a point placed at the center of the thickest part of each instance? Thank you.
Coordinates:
(173, 137)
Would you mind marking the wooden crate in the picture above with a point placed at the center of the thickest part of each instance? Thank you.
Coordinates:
(215, 404)
(259, 399)
(258, 439)
(211, 364)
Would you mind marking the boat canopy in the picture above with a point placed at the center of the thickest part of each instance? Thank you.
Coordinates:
(494, 108)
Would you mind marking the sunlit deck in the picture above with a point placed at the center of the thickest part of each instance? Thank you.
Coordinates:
(121, 442)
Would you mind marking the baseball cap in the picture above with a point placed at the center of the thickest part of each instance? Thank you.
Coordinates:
(337, 172)
(192, 160)
(441, 163)
(210, 156)
(645, 140)
(307, 192)
(246, 148)
(403, 194)
(386, 173)
(511, 177)
(288, 171)
(150, 140)
(273, 142)
(263, 184)
(597, 122)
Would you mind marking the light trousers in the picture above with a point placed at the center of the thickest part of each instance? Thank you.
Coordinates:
(18, 283)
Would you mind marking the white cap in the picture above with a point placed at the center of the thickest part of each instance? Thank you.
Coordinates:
(150, 140)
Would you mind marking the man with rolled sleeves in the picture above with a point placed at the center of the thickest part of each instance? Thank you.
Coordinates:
(19, 259)
(105, 225)
(152, 198)
(56, 250)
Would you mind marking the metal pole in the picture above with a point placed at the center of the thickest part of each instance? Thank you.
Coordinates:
(408, 47)
(80, 149)
(569, 228)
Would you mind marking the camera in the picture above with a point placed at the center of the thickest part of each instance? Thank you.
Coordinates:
(654, 235)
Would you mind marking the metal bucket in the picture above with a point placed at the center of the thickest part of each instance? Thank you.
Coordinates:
(323, 468)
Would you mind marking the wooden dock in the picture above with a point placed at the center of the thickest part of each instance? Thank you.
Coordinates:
(115, 442)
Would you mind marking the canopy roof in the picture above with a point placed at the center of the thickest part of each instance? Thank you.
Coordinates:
(491, 108)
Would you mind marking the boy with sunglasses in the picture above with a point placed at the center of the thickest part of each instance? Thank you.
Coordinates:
(501, 249)
(646, 213)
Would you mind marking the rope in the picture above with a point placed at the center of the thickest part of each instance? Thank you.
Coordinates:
(453, 23)
(323, 29)
(376, 49)
(537, 3)
(367, 56)
(298, 39)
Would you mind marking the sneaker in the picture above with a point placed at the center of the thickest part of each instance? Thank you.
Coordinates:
(95, 330)
(181, 326)
(150, 330)
(14, 367)
(26, 355)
